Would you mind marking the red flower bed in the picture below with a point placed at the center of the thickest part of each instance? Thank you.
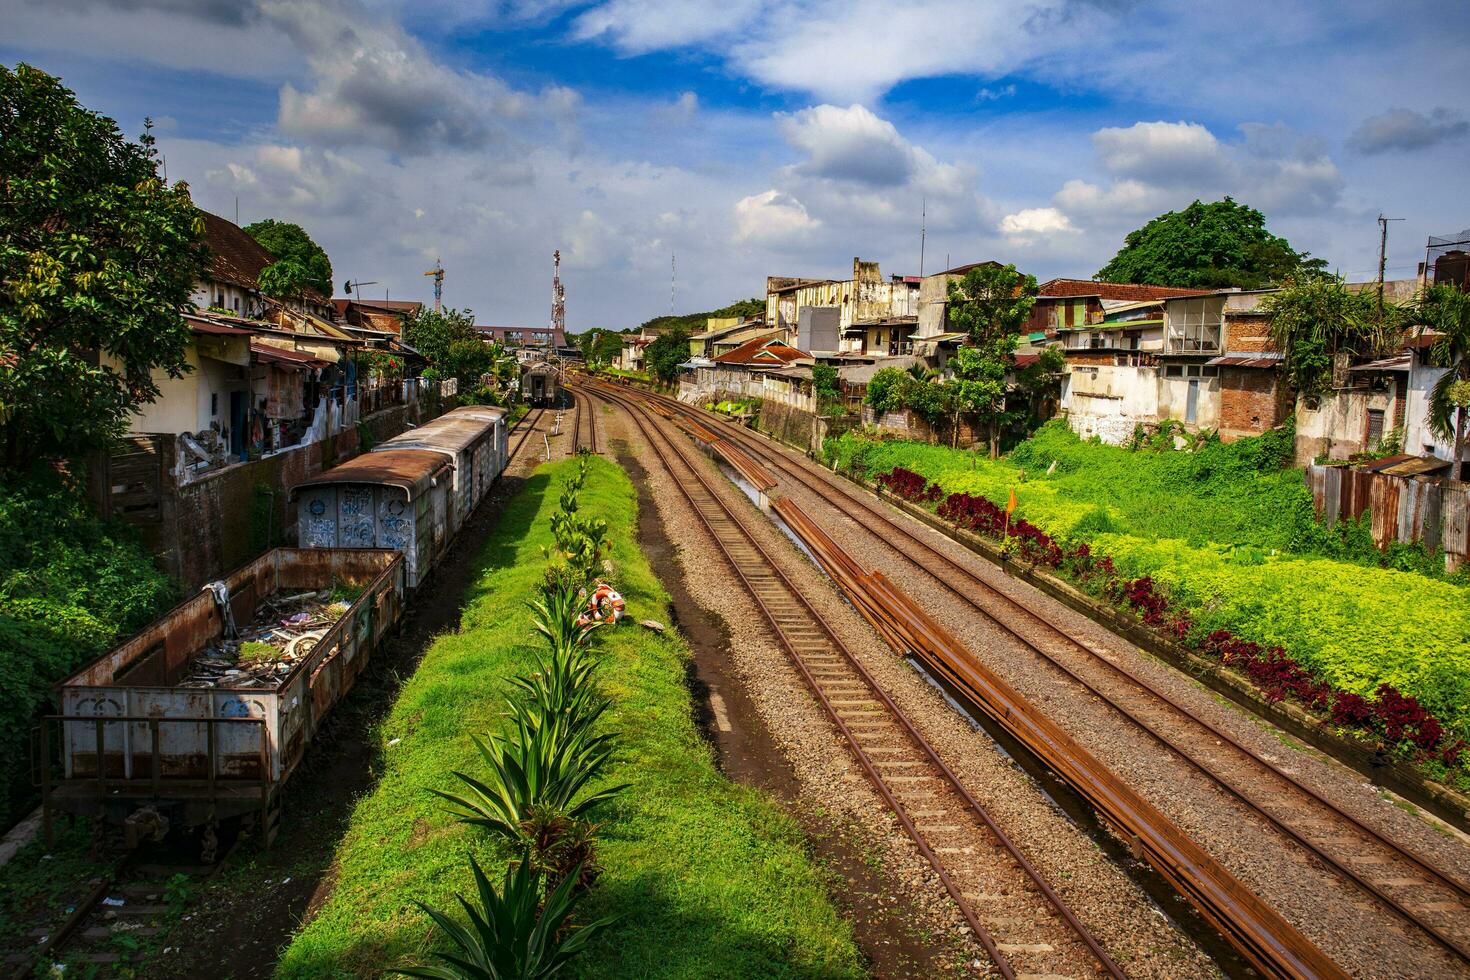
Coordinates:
(1398, 718)
(909, 485)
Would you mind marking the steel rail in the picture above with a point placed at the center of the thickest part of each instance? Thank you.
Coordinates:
(981, 933)
(803, 475)
(528, 424)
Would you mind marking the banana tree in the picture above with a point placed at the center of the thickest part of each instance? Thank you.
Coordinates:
(1446, 310)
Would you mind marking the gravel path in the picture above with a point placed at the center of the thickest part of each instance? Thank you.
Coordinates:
(1134, 929)
(1362, 936)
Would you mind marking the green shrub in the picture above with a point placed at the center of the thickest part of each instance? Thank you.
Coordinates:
(70, 585)
(1231, 536)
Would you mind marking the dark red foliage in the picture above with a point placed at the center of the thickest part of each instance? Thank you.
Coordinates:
(1274, 672)
(909, 485)
(1351, 710)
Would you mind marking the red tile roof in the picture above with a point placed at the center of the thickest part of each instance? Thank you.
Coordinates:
(763, 351)
(1126, 291)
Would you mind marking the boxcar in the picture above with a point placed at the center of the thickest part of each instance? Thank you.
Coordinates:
(467, 444)
(495, 463)
(395, 499)
(131, 736)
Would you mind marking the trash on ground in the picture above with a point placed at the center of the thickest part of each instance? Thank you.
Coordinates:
(283, 633)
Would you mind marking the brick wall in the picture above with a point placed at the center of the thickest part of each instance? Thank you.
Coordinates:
(1252, 400)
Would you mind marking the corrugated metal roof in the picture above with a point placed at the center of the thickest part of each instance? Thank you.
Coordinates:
(201, 325)
(412, 469)
(1404, 464)
(452, 434)
(291, 358)
(1400, 362)
(1254, 359)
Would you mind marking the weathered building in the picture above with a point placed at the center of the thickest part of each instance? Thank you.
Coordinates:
(231, 282)
(876, 317)
(541, 338)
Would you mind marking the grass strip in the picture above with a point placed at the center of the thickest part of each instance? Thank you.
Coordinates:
(713, 878)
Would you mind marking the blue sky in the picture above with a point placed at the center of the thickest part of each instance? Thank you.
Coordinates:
(771, 137)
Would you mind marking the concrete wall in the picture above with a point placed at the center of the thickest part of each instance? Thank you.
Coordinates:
(227, 517)
(1109, 401)
(787, 423)
(1174, 402)
(1337, 426)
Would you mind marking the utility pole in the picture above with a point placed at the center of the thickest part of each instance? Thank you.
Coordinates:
(923, 231)
(673, 280)
(1382, 254)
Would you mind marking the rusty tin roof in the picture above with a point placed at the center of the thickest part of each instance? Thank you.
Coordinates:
(490, 413)
(444, 434)
(414, 470)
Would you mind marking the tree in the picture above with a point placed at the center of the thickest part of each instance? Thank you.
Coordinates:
(300, 262)
(452, 345)
(990, 304)
(666, 353)
(1041, 380)
(97, 257)
(1447, 310)
(600, 347)
(825, 384)
(1207, 246)
(1316, 319)
(887, 390)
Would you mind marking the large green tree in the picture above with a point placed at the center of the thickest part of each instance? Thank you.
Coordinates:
(97, 257)
(663, 357)
(300, 264)
(600, 347)
(991, 304)
(1315, 319)
(454, 347)
(1207, 246)
(1447, 311)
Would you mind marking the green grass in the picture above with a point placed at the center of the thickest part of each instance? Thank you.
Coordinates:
(713, 878)
(1232, 537)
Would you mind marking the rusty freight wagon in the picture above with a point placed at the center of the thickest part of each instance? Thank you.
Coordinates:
(186, 724)
(395, 499)
(468, 444)
(497, 417)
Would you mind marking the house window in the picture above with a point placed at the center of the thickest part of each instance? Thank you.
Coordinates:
(213, 404)
(1174, 371)
(1375, 426)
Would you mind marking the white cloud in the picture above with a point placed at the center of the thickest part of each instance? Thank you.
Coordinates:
(1161, 152)
(1030, 225)
(849, 144)
(772, 218)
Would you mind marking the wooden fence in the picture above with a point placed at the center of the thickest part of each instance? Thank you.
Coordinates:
(1435, 512)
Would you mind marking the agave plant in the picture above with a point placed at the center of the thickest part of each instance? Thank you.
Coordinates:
(546, 762)
(560, 686)
(555, 615)
(510, 934)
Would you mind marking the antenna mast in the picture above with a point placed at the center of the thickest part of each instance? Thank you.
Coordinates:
(558, 298)
(673, 279)
(923, 231)
(438, 273)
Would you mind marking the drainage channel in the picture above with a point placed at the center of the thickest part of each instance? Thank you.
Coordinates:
(1064, 800)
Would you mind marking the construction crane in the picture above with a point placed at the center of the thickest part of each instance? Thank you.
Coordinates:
(438, 273)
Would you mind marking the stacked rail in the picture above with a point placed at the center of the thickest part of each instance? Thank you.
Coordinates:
(956, 835)
(1401, 880)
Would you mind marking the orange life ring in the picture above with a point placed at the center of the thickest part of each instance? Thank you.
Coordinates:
(605, 606)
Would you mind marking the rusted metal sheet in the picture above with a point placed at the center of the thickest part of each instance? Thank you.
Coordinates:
(1432, 511)
(127, 733)
(414, 471)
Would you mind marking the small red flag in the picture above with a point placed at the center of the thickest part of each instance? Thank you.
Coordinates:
(1011, 504)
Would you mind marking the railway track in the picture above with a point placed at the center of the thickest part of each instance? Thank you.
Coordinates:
(1400, 880)
(115, 917)
(1038, 934)
(584, 434)
(526, 426)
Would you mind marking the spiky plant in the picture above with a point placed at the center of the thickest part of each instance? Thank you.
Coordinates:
(545, 761)
(511, 934)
